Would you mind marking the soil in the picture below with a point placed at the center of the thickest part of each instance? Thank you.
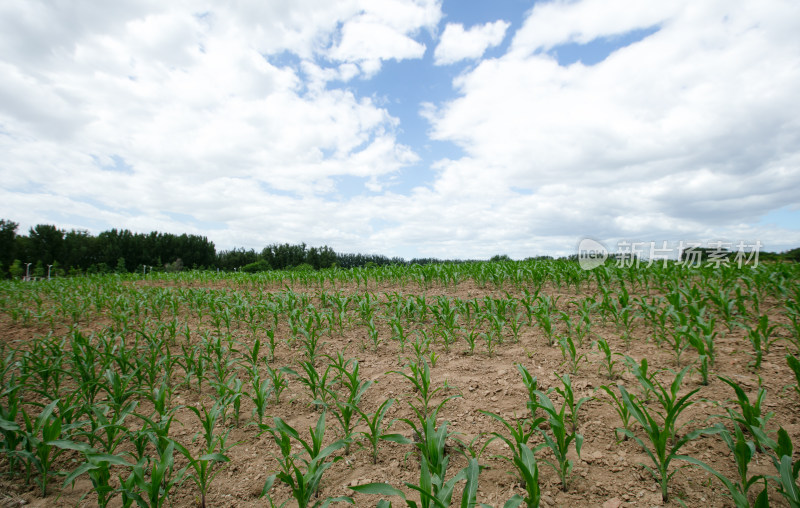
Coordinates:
(608, 473)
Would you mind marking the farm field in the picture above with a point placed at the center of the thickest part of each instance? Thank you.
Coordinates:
(530, 383)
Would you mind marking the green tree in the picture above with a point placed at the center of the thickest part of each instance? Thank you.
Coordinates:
(8, 234)
(121, 265)
(46, 243)
(16, 270)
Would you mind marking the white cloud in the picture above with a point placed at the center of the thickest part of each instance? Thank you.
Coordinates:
(457, 44)
(557, 22)
(196, 101)
(384, 31)
(245, 117)
(692, 130)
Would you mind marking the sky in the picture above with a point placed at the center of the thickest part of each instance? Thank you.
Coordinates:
(413, 128)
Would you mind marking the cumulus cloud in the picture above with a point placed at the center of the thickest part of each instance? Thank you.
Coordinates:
(557, 22)
(195, 100)
(457, 44)
(241, 121)
(690, 130)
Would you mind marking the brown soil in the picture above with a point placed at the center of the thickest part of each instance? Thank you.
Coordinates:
(608, 473)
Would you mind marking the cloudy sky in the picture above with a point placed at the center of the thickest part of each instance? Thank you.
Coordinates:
(454, 129)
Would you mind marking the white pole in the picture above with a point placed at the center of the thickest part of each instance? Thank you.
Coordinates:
(48, 271)
(28, 271)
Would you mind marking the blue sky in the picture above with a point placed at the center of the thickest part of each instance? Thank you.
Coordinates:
(454, 129)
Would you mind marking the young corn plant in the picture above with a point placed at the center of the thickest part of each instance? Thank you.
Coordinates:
(278, 381)
(750, 415)
(663, 444)
(558, 439)
(345, 408)
(433, 490)
(641, 371)
(703, 356)
(319, 386)
(374, 336)
(399, 333)
(45, 439)
(430, 440)
(261, 392)
(677, 336)
(760, 337)
(150, 484)
(272, 344)
(491, 339)
(471, 338)
(569, 400)
(420, 378)
(377, 430)
(302, 474)
(12, 436)
(545, 320)
(98, 468)
(107, 432)
(787, 468)
(743, 452)
(572, 357)
(532, 385)
(608, 363)
(204, 468)
(621, 409)
(522, 456)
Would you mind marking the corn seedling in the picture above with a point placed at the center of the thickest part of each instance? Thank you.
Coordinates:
(44, 441)
(377, 431)
(545, 321)
(278, 381)
(571, 355)
(522, 456)
(372, 331)
(203, 470)
(532, 385)
(149, 485)
(303, 475)
(569, 400)
(433, 490)
(261, 392)
(420, 378)
(743, 452)
(319, 387)
(750, 416)
(558, 440)
(471, 337)
(345, 409)
(399, 333)
(662, 444)
(787, 468)
(621, 409)
(608, 363)
(98, 468)
(641, 371)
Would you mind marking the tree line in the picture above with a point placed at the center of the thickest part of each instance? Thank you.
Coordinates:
(76, 252)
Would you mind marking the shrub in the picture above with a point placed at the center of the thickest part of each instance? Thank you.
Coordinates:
(262, 265)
